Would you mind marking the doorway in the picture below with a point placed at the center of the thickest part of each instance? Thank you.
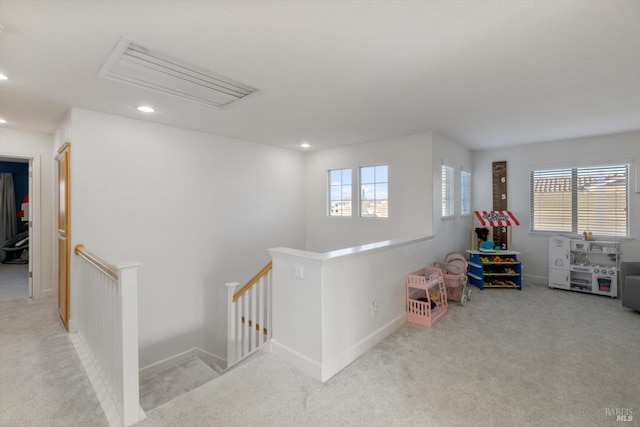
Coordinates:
(64, 239)
(16, 266)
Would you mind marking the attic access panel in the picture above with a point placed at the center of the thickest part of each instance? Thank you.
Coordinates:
(137, 65)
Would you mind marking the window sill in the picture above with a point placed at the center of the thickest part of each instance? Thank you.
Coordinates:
(546, 234)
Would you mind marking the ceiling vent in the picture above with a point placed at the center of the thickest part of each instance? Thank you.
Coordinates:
(134, 64)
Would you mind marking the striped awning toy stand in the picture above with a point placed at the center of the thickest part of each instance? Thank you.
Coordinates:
(496, 218)
(493, 219)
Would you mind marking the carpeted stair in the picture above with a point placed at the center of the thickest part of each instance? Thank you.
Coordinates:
(166, 385)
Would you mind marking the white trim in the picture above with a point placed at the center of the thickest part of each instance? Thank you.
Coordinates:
(108, 405)
(167, 363)
(531, 279)
(308, 366)
(73, 325)
(210, 359)
(214, 361)
(336, 364)
(35, 241)
(324, 371)
(581, 163)
(326, 258)
(451, 195)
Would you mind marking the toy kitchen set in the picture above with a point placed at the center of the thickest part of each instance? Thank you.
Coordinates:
(589, 266)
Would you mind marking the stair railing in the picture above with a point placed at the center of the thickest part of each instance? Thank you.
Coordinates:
(249, 316)
(107, 327)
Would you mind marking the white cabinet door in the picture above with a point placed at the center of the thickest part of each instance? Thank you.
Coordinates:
(559, 252)
(559, 278)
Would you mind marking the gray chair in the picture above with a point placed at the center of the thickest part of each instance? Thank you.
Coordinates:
(630, 282)
(14, 248)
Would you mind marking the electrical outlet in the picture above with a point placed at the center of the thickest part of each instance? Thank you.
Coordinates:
(298, 271)
(374, 308)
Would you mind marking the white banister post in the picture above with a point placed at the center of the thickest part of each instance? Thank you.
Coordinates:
(232, 329)
(269, 308)
(253, 318)
(261, 311)
(128, 301)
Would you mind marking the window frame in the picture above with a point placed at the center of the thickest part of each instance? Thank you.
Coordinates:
(447, 191)
(375, 184)
(465, 193)
(569, 183)
(331, 186)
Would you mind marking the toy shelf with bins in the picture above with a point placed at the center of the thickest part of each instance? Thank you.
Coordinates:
(500, 269)
(426, 296)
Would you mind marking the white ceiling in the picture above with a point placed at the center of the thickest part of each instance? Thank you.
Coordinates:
(484, 73)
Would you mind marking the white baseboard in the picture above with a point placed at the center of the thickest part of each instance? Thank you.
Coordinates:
(167, 363)
(171, 361)
(300, 361)
(336, 364)
(216, 362)
(73, 326)
(40, 294)
(323, 371)
(102, 393)
(535, 280)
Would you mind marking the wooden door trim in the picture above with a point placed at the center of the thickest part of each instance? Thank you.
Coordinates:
(64, 234)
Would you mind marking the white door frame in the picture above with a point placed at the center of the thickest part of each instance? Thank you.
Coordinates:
(35, 243)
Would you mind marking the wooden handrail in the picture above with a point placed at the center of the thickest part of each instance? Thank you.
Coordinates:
(251, 282)
(102, 265)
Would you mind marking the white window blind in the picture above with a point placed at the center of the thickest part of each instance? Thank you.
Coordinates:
(448, 200)
(465, 193)
(581, 199)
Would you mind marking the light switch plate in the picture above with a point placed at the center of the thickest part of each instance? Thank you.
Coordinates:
(298, 271)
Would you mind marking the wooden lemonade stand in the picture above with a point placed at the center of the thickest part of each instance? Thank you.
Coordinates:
(494, 266)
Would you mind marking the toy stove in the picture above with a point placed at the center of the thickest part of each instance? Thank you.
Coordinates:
(603, 276)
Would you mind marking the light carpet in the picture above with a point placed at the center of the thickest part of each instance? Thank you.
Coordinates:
(537, 357)
(42, 381)
(173, 382)
(14, 281)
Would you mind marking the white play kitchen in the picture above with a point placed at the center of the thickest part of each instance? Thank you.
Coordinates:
(584, 265)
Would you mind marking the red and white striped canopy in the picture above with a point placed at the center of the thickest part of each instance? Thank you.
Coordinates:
(496, 218)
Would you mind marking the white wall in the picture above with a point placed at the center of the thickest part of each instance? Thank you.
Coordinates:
(414, 194)
(410, 201)
(197, 210)
(346, 289)
(450, 234)
(521, 160)
(15, 143)
(326, 319)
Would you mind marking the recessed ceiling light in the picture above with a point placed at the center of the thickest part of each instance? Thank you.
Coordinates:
(145, 109)
(3, 77)
(305, 145)
(3, 121)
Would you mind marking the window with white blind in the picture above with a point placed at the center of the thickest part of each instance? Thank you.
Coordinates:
(465, 193)
(448, 192)
(580, 199)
